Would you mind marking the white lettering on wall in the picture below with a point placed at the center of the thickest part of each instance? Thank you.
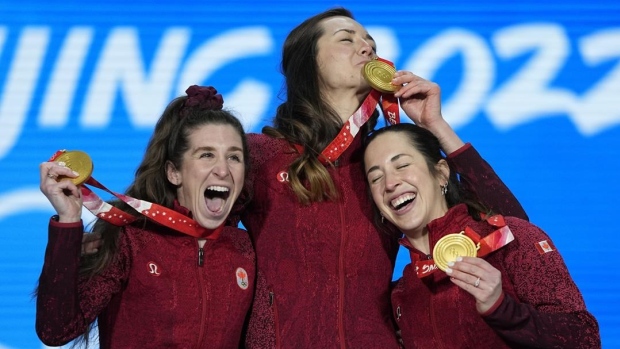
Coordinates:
(250, 98)
(478, 71)
(529, 93)
(60, 92)
(21, 81)
(121, 69)
(599, 107)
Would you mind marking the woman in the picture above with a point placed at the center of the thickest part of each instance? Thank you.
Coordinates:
(520, 295)
(324, 272)
(151, 286)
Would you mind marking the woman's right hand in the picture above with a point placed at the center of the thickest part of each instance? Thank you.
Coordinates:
(65, 197)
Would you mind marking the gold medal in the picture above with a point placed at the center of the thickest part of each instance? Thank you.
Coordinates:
(451, 246)
(379, 76)
(77, 161)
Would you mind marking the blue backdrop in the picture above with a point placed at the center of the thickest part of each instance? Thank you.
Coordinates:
(534, 85)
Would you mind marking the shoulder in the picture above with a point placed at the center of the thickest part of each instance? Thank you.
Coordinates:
(264, 148)
(240, 239)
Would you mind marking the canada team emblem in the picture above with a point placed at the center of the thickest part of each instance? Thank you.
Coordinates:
(544, 247)
(242, 278)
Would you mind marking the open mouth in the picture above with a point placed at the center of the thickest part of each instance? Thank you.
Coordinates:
(402, 201)
(216, 197)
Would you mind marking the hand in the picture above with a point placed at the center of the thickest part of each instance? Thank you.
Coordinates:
(64, 196)
(478, 278)
(420, 99)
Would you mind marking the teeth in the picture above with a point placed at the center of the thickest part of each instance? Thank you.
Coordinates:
(399, 200)
(217, 188)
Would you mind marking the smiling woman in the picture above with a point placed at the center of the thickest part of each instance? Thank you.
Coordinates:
(148, 286)
(499, 299)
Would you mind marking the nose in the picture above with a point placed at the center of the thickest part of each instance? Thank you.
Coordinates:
(220, 168)
(366, 48)
(391, 181)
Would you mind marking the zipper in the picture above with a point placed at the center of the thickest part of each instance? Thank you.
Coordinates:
(201, 252)
(341, 276)
(274, 306)
(201, 290)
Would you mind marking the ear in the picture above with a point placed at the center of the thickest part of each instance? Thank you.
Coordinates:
(174, 176)
(443, 170)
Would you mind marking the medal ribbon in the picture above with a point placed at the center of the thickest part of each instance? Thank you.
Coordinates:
(157, 213)
(389, 105)
(499, 238)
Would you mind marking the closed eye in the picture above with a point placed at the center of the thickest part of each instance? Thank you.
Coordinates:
(205, 155)
(235, 158)
(374, 180)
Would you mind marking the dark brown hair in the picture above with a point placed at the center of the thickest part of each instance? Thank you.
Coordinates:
(168, 143)
(305, 118)
(428, 145)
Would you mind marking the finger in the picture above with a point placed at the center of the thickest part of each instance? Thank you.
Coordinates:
(53, 170)
(417, 88)
(465, 276)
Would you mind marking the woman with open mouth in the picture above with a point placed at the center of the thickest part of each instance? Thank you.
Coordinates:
(169, 272)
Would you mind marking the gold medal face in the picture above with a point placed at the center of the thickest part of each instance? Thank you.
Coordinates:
(79, 162)
(379, 76)
(451, 246)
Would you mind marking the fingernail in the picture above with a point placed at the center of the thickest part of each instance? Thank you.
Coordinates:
(75, 173)
(451, 264)
(459, 258)
(448, 271)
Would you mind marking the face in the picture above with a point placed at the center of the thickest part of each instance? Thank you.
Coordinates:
(211, 175)
(343, 49)
(401, 184)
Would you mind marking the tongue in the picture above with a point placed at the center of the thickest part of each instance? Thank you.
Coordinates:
(215, 204)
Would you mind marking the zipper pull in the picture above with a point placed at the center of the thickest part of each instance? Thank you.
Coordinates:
(201, 252)
(270, 298)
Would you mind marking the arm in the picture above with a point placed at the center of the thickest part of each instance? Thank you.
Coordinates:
(67, 303)
(482, 184)
(550, 312)
(420, 99)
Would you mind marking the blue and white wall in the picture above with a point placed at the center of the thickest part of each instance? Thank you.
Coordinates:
(534, 85)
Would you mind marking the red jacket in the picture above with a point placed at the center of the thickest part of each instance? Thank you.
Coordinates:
(324, 271)
(153, 295)
(541, 307)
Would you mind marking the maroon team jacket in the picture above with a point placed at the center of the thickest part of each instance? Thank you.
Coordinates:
(541, 308)
(153, 295)
(324, 271)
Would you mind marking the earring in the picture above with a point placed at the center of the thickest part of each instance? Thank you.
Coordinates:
(444, 189)
(382, 219)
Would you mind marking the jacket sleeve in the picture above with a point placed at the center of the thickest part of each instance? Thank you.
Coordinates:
(550, 311)
(481, 183)
(67, 303)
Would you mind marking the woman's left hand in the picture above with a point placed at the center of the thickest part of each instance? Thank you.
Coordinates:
(479, 278)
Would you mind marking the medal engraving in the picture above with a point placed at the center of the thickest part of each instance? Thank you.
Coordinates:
(451, 246)
(379, 76)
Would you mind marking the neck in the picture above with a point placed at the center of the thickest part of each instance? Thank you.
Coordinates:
(420, 241)
(345, 102)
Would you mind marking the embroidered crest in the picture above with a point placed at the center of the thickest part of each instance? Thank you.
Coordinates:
(242, 278)
(153, 269)
(544, 247)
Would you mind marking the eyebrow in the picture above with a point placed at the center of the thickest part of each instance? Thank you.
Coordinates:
(394, 158)
(351, 31)
(208, 148)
